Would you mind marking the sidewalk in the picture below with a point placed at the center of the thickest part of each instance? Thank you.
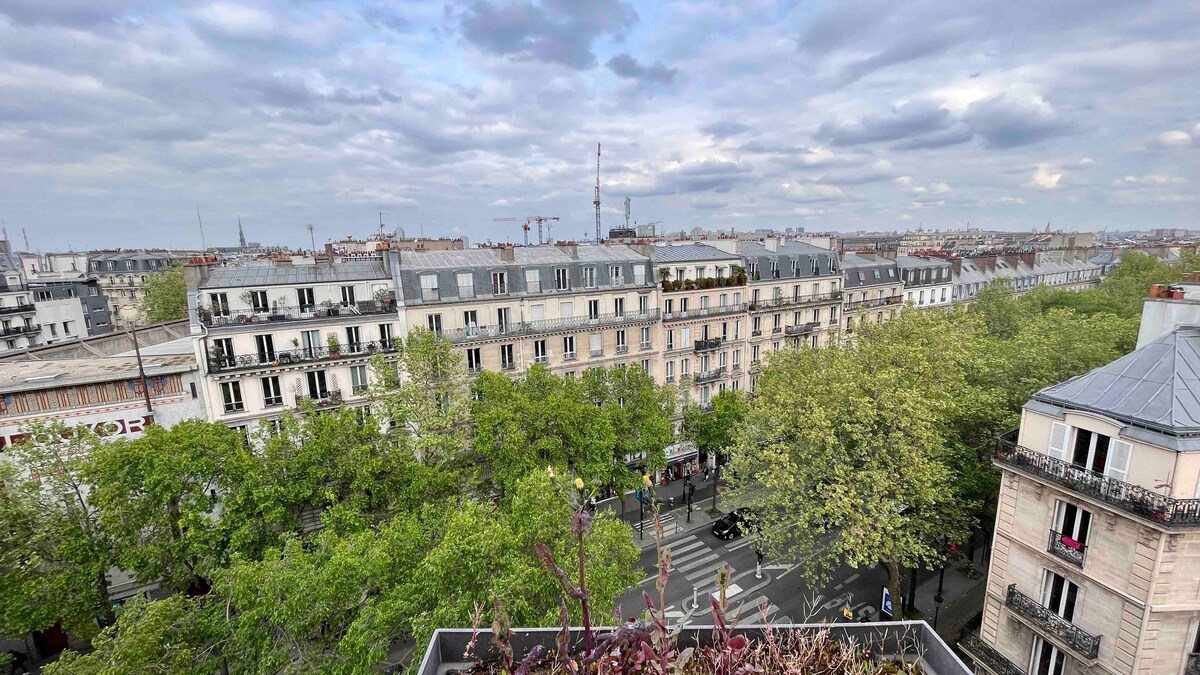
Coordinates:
(675, 524)
(674, 520)
(962, 598)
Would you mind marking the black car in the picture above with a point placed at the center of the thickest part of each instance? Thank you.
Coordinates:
(729, 526)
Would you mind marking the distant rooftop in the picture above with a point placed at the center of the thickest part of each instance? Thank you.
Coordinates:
(16, 376)
(357, 270)
(689, 253)
(1157, 386)
(522, 255)
(912, 261)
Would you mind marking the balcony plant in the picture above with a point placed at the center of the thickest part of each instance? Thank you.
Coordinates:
(328, 308)
(335, 347)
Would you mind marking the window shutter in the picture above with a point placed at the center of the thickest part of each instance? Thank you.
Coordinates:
(537, 312)
(1059, 434)
(1118, 460)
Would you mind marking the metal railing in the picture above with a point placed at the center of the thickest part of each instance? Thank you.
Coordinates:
(987, 655)
(622, 349)
(1079, 640)
(570, 356)
(13, 309)
(801, 328)
(220, 363)
(474, 370)
(1066, 548)
(1192, 667)
(327, 399)
(710, 375)
(719, 310)
(877, 302)
(232, 317)
(707, 345)
(597, 352)
(795, 300)
(644, 346)
(702, 284)
(1130, 498)
(459, 335)
(21, 330)
(508, 365)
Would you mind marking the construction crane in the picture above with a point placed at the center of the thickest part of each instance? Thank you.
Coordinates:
(540, 220)
(597, 202)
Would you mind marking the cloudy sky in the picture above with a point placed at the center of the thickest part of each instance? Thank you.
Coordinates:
(118, 118)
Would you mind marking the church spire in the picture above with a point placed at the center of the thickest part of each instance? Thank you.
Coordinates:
(241, 234)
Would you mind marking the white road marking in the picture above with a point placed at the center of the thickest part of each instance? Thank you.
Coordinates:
(746, 541)
(705, 572)
(789, 571)
(733, 590)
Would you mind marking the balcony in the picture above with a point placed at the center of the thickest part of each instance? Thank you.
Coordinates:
(218, 363)
(1042, 618)
(1192, 667)
(877, 302)
(645, 346)
(795, 301)
(597, 352)
(570, 356)
(710, 375)
(541, 359)
(755, 333)
(330, 398)
(20, 330)
(986, 655)
(474, 370)
(228, 317)
(508, 365)
(701, 284)
(719, 310)
(800, 329)
(622, 349)
(461, 335)
(1132, 499)
(17, 309)
(1066, 548)
(703, 346)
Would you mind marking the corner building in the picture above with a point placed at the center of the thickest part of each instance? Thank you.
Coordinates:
(1096, 562)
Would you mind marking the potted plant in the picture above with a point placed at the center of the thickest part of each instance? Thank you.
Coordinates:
(385, 298)
(328, 308)
(335, 347)
(204, 314)
(664, 274)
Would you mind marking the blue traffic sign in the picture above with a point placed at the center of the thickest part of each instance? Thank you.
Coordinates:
(885, 607)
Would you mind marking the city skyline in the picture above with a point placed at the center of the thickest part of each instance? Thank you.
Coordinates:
(122, 118)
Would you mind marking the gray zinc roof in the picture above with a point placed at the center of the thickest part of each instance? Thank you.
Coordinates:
(689, 253)
(1156, 386)
(358, 270)
(912, 261)
(522, 255)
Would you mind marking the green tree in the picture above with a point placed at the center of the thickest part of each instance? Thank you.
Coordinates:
(538, 419)
(54, 556)
(996, 304)
(165, 295)
(639, 413)
(1129, 284)
(857, 470)
(177, 634)
(157, 499)
(714, 431)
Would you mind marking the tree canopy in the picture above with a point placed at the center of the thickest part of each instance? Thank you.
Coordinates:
(165, 295)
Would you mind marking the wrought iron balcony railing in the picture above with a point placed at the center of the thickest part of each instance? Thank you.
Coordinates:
(1132, 499)
(221, 363)
(459, 335)
(987, 655)
(710, 375)
(1193, 665)
(15, 309)
(800, 329)
(329, 398)
(1082, 642)
(707, 345)
(1066, 548)
(20, 330)
(796, 300)
(719, 310)
(226, 316)
(875, 302)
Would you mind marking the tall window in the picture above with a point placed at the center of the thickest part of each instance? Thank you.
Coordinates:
(502, 319)
(353, 339)
(533, 281)
(645, 343)
(310, 341)
(670, 371)
(222, 352)
(266, 348)
(616, 276)
(539, 351)
(231, 395)
(304, 299)
(589, 277)
(434, 323)
(272, 394)
(219, 304)
(258, 301)
(643, 304)
(348, 296)
(622, 342)
(471, 321)
(596, 344)
(429, 287)
(593, 309)
(465, 282)
(569, 347)
(670, 339)
(358, 379)
(507, 361)
(499, 283)
(474, 360)
(385, 335)
(639, 274)
(619, 307)
(318, 387)
(562, 281)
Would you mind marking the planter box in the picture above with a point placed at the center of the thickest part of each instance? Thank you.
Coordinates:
(891, 640)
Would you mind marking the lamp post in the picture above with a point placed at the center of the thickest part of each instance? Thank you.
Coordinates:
(641, 506)
(130, 314)
(937, 597)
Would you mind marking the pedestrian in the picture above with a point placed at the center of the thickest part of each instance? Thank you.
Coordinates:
(705, 472)
(17, 662)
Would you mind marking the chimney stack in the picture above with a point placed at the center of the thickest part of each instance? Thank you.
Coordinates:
(508, 253)
(570, 248)
(771, 244)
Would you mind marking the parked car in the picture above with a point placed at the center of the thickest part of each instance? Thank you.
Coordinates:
(729, 526)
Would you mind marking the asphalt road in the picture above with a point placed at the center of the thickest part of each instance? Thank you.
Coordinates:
(781, 592)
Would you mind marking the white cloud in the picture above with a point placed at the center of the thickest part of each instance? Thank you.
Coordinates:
(903, 180)
(932, 189)
(1174, 139)
(809, 192)
(1152, 179)
(1045, 177)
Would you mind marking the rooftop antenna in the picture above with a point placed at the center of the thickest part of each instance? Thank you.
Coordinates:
(597, 202)
(381, 215)
(25, 235)
(627, 213)
(203, 241)
(312, 237)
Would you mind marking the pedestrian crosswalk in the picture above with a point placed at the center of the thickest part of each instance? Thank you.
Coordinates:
(669, 522)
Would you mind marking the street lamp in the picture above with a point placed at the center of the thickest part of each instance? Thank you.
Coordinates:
(937, 597)
(642, 506)
(130, 314)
